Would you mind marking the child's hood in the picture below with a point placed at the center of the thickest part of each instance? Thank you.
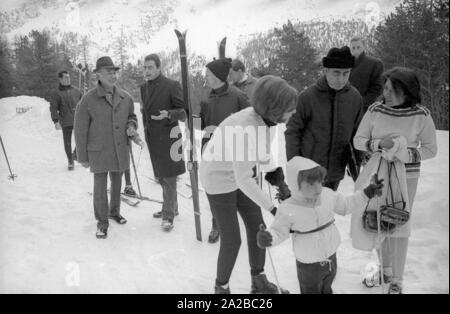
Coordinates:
(293, 167)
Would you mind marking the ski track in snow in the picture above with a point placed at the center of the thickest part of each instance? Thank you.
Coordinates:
(47, 227)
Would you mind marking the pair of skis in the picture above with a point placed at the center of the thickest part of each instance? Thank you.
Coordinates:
(192, 164)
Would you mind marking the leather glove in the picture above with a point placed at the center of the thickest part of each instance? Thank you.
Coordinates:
(275, 177)
(283, 192)
(375, 187)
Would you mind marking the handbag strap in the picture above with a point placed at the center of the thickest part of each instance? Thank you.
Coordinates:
(390, 167)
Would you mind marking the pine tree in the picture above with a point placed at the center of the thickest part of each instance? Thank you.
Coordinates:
(45, 67)
(23, 58)
(6, 70)
(295, 58)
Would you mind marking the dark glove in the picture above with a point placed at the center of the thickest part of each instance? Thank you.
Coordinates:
(375, 187)
(274, 211)
(283, 192)
(275, 177)
(263, 238)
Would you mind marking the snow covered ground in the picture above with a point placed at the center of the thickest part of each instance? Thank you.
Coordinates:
(47, 226)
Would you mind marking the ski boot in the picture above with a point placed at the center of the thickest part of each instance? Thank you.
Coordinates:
(260, 285)
(167, 225)
(218, 289)
(395, 288)
(213, 236)
(101, 233)
(129, 191)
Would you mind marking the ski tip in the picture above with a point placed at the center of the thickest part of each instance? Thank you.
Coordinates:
(180, 34)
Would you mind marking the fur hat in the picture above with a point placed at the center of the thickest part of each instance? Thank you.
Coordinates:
(340, 58)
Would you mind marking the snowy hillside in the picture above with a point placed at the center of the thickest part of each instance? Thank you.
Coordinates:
(47, 227)
(149, 24)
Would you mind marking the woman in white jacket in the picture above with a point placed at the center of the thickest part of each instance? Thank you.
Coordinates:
(400, 132)
(238, 144)
(309, 216)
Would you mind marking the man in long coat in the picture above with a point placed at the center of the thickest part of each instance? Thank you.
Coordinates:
(162, 108)
(103, 121)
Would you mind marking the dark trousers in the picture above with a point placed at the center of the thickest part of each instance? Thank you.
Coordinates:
(225, 208)
(317, 278)
(170, 199)
(67, 137)
(127, 177)
(332, 184)
(101, 209)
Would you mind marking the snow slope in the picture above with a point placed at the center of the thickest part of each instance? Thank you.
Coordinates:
(47, 226)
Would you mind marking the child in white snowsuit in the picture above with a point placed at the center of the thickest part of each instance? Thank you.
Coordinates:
(309, 216)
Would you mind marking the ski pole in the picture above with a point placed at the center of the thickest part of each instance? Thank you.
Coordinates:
(11, 175)
(135, 172)
(381, 251)
(138, 163)
(262, 228)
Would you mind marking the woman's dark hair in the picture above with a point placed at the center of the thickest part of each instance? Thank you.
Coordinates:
(407, 81)
(312, 176)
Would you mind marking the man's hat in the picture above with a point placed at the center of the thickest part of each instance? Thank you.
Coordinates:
(105, 62)
(340, 58)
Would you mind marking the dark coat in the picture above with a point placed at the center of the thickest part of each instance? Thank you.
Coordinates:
(100, 130)
(322, 130)
(247, 86)
(366, 76)
(163, 94)
(63, 103)
(219, 105)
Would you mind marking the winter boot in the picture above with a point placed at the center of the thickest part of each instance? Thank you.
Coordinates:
(225, 289)
(129, 191)
(101, 233)
(213, 236)
(395, 288)
(71, 165)
(260, 285)
(119, 219)
(167, 225)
